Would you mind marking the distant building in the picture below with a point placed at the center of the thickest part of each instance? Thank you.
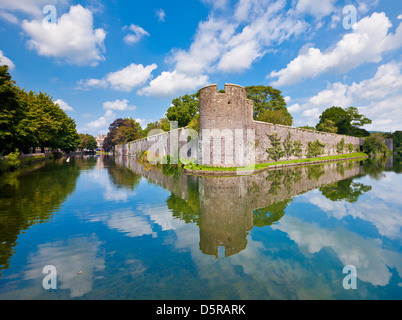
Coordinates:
(99, 140)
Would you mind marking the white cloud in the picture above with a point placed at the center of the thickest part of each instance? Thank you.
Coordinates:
(173, 83)
(125, 79)
(103, 121)
(130, 77)
(316, 8)
(376, 98)
(9, 17)
(6, 61)
(73, 39)
(64, 105)
(33, 8)
(161, 15)
(367, 43)
(137, 34)
(367, 255)
(120, 105)
(233, 43)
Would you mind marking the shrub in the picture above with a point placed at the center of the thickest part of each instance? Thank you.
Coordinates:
(288, 146)
(315, 149)
(351, 147)
(340, 146)
(275, 152)
(13, 160)
(298, 148)
(374, 144)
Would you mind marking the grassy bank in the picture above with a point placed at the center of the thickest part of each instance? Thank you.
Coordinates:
(265, 165)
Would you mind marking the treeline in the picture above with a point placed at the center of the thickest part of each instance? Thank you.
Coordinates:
(31, 120)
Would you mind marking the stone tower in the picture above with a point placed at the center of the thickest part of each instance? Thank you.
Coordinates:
(224, 121)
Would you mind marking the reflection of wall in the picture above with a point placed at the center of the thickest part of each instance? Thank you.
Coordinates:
(226, 204)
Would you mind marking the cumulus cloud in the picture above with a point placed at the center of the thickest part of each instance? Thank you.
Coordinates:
(367, 43)
(135, 35)
(316, 8)
(119, 105)
(376, 98)
(6, 61)
(33, 8)
(73, 39)
(103, 121)
(232, 44)
(125, 79)
(366, 255)
(64, 105)
(169, 83)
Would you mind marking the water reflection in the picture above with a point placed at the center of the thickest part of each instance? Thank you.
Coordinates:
(136, 233)
(31, 196)
(226, 209)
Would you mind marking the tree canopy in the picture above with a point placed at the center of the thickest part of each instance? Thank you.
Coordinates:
(87, 141)
(347, 121)
(183, 109)
(29, 119)
(269, 105)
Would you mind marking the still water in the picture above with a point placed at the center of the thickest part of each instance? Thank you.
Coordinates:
(114, 229)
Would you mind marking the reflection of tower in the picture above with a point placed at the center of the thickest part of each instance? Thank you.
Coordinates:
(224, 217)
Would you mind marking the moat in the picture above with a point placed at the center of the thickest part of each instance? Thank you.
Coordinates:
(114, 229)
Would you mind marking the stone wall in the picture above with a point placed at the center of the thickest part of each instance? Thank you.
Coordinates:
(232, 110)
(229, 137)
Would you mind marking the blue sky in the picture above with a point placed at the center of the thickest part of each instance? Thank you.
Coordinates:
(102, 60)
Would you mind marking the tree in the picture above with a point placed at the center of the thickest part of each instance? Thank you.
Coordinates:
(347, 121)
(275, 152)
(130, 130)
(375, 143)
(275, 116)
(108, 143)
(183, 109)
(267, 98)
(12, 133)
(29, 119)
(87, 141)
(327, 126)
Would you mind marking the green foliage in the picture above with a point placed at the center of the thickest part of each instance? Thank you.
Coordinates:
(271, 214)
(288, 146)
(87, 141)
(308, 128)
(13, 160)
(327, 126)
(129, 130)
(397, 139)
(347, 121)
(29, 119)
(195, 123)
(340, 146)
(375, 144)
(345, 190)
(298, 148)
(269, 105)
(275, 152)
(351, 147)
(183, 109)
(315, 149)
(275, 117)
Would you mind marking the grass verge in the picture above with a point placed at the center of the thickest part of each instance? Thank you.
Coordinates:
(265, 165)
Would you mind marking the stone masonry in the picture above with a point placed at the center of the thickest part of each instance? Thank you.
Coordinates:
(229, 137)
